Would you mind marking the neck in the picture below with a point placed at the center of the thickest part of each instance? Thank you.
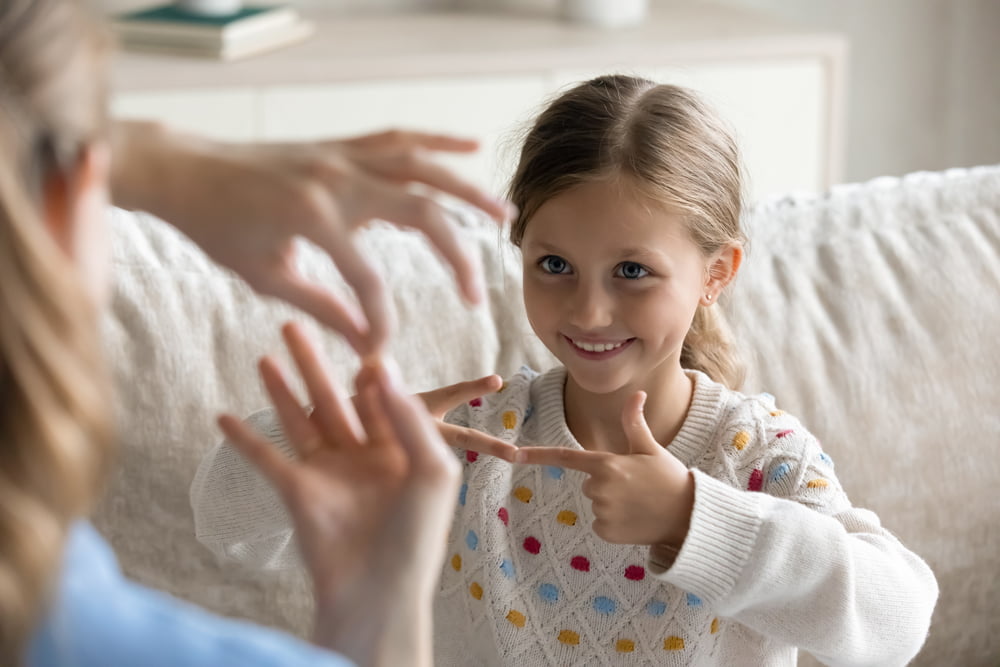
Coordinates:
(595, 420)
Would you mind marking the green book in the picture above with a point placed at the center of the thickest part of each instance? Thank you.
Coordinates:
(170, 21)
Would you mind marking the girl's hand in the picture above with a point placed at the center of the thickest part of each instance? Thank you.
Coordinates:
(371, 494)
(440, 401)
(644, 497)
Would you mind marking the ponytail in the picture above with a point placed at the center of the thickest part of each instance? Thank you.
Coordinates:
(709, 348)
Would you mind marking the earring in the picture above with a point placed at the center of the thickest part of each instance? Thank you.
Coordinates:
(708, 297)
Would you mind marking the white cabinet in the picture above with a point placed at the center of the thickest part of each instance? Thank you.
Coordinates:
(486, 76)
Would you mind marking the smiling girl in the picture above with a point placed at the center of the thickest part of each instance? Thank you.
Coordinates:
(665, 518)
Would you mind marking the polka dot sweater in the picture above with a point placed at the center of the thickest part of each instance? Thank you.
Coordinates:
(776, 557)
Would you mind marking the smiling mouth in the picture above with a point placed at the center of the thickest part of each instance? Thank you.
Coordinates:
(598, 348)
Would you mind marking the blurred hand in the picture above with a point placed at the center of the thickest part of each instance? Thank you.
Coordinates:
(371, 493)
(244, 204)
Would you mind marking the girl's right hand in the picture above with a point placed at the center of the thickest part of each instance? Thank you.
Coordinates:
(440, 401)
(371, 493)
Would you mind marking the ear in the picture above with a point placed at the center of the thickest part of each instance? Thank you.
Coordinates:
(65, 194)
(722, 269)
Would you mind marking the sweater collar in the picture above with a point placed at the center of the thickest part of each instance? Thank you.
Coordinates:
(693, 438)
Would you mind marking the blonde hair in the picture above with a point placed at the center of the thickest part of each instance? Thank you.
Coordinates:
(55, 422)
(667, 143)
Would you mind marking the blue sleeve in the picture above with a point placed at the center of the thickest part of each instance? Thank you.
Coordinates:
(99, 618)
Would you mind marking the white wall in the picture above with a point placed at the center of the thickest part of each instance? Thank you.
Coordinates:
(923, 88)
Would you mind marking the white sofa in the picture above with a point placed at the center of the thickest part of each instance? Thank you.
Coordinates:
(871, 312)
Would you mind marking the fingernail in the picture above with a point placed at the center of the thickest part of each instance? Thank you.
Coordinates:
(391, 373)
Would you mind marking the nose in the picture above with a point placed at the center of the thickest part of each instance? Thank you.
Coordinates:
(591, 307)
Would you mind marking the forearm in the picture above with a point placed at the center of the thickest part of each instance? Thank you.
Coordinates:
(151, 165)
(841, 588)
(378, 627)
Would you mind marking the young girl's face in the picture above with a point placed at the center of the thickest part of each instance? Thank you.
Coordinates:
(611, 285)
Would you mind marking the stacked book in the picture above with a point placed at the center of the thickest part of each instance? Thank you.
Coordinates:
(246, 32)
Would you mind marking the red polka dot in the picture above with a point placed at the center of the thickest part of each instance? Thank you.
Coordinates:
(476, 402)
(756, 480)
(782, 434)
(502, 513)
(635, 572)
(471, 456)
(580, 563)
(532, 545)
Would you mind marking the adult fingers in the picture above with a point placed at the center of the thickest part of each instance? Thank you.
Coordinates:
(470, 439)
(260, 452)
(424, 214)
(416, 166)
(332, 410)
(302, 434)
(413, 426)
(366, 283)
(575, 459)
(439, 401)
(640, 438)
(394, 139)
(323, 305)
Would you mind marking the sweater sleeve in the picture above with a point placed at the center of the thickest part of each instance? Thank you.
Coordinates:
(798, 563)
(237, 513)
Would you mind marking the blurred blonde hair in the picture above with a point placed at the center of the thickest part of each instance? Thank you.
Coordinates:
(55, 424)
(668, 144)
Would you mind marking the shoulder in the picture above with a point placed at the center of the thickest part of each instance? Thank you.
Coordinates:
(775, 452)
(500, 414)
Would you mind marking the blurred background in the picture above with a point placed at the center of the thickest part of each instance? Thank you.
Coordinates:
(820, 92)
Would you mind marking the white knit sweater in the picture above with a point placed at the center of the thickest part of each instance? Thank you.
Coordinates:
(775, 558)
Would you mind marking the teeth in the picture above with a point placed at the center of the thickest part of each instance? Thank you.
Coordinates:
(598, 347)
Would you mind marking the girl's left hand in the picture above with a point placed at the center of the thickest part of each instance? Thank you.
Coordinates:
(643, 497)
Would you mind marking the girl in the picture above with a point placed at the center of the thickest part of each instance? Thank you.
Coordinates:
(668, 518)
(63, 600)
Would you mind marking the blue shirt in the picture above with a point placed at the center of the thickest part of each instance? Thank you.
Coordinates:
(101, 619)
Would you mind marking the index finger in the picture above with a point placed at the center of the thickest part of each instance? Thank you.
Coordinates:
(574, 459)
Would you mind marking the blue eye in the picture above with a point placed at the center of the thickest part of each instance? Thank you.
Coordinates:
(553, 264)
(631, 271)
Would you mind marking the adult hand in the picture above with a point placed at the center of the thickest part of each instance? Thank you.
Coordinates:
(643, 497)
(440, 401)
(244, 204)
(371, 494)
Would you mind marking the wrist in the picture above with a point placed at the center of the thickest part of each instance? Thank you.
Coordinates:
(665, 550)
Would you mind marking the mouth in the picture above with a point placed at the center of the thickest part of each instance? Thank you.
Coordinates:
(598, 349)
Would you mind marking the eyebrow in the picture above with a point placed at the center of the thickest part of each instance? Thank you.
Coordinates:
(626, 253)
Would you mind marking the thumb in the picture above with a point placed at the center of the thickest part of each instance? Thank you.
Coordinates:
(640, 438)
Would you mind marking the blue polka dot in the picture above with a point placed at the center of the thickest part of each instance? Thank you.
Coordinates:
(461, 494)
(472, 540)
(779, 471)
(548, 592)
(507, 568)
(693, 600)
(604, 605)
(826, 459)
(656, 608)
(554, 472)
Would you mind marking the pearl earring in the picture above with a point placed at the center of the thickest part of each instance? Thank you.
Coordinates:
(708, 297)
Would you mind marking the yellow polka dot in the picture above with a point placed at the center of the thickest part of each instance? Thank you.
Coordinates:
(818, 483)
(567, 518)
(516, 617)
(741, 439)
(777, 413)
(523, 494)
(625, 646)
(456, 562)
(509, 419)
(569, 637)
(673, 644)
(715, 625)
(476, 591)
